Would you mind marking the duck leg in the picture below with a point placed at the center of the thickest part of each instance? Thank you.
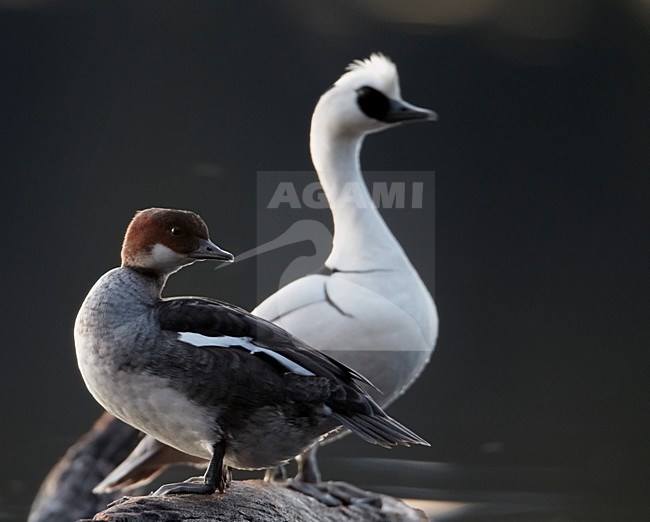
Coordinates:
(218, 476)
(276, 474)
(308, 466)
(308, 481)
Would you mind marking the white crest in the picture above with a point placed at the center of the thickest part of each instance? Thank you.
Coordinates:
(377, 71)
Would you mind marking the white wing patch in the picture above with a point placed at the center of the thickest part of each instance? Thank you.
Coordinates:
(225, 341)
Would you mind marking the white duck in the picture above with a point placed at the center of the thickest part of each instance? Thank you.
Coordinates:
(367, 306)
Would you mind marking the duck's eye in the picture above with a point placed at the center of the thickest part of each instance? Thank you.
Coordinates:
(373, 103)
(176, 231)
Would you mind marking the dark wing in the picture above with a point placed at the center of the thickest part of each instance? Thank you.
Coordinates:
(215, 319)
(216, 326)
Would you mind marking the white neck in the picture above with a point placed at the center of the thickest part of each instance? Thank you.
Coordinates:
(362, 239)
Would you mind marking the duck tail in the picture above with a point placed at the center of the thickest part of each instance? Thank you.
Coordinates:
(378, 428)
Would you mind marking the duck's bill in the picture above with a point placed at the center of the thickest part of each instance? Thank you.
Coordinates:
(208, 250)
(401, 111)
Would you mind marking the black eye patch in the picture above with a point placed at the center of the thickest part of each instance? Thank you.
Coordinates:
(373, 103)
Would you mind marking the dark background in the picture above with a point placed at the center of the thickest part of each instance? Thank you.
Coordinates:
(541, 208)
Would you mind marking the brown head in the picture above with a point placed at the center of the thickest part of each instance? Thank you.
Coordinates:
(162, 240)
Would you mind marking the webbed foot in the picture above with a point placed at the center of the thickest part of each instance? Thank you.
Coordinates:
(118, 501)
(192, 486)
(218, 476)
(336, 493)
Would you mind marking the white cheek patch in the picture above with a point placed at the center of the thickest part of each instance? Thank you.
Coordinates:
(162, 255)
(226, 341)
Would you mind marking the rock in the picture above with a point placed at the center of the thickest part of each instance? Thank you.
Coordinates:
(253, 500)
(66, 493)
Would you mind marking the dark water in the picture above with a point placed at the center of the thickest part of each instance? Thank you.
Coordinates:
(532, 234)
